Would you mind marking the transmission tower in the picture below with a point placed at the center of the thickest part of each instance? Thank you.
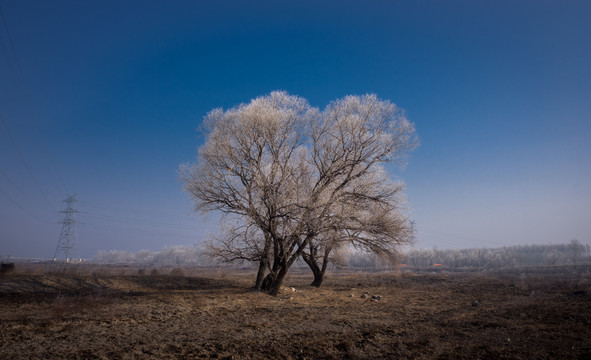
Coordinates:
(68, 236)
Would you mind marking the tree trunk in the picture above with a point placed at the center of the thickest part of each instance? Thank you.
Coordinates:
(263, 264)
(281, 265)
(278, 281)
(316, 270)
(268, 281)
(273, 281)
(260, 275)
(318, 279)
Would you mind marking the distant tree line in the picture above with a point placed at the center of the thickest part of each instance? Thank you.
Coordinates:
(176, 255)
(572, 253)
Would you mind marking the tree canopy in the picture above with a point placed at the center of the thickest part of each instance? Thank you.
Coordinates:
(297, 182)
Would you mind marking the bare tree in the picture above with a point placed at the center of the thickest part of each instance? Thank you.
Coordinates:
(368, 215)
(295, 180)
(318, 255)
(577, 249)
(241, 242)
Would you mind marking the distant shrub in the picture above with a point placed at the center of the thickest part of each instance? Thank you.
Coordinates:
(6, 268)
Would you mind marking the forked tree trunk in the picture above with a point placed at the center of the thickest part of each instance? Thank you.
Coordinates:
(278, 281)
(268, 281)
(318, 279)
(263, 264)
(317, 270)
(281, 264)
(273, 281)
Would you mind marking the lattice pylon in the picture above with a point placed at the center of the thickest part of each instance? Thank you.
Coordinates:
(68, 240)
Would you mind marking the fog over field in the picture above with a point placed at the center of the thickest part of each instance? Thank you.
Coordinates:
(106, 100)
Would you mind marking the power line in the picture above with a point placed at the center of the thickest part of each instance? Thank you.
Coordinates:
(444, 239)
(26, 101)
(110, 207)
(441, 233)
(137, 216)
(136, 221)
(169, 234)
(17, 204)
(24, 162)
(13, 184)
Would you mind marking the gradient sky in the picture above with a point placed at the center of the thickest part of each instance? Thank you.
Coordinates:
(102, 98)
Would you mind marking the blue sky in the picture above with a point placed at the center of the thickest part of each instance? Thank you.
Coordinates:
(103, 98)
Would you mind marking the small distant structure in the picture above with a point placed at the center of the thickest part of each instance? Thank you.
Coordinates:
(437, 265)
(67, 242)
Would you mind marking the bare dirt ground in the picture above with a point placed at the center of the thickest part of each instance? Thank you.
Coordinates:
(129, 313)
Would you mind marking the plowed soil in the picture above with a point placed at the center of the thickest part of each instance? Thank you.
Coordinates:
(127, 314)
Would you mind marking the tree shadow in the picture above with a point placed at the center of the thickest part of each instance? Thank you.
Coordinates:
(167, 282)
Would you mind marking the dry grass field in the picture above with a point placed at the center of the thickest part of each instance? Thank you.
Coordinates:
(83, 312)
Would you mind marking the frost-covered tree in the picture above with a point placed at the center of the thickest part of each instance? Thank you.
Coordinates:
(577, 249)
(176, 255)
(295, 182)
